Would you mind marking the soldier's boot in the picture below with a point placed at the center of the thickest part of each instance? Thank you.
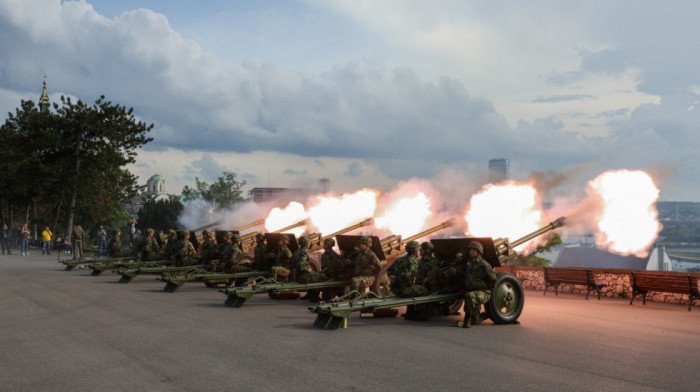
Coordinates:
(467, 320)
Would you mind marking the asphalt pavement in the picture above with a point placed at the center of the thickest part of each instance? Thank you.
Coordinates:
(69, 331)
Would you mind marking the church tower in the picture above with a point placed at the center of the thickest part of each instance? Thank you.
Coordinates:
(44, 103)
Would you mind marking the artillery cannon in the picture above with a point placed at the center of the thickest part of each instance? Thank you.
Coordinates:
(173, 282)
(128, 274)
(237, 296)
(504, 306)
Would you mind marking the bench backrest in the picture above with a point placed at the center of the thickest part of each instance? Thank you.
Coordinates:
(651, 281)
(573, 275)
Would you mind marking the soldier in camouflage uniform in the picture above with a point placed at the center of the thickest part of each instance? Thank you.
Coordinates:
(402, 273)
(184, 250)
(332, 267)
(170, 245)
(301, 269)
(479, 280)
(428, 274)
(229, 256)
(114, 248)
(148, 247)
(260, 254)
(366, 265)
(280, 271)
(209, 252)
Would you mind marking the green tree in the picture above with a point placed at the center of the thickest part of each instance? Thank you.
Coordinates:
(160, 215)
(101, 138)
(69, 162)
(225, 192)
(532, 258)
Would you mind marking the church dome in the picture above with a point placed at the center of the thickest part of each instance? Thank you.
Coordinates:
(156, 177)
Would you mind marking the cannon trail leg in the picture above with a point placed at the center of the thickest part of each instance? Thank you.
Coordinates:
(336, 322)
(126, 278)
(172, 286)
(235, 301)
(96, 272)
(322, 320)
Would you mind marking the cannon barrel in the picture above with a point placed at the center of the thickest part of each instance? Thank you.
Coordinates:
(282, 230)
(553, 225)
(365, 222)
(443, 225)
(394, 244)
(504, 248)
(206, 226)
(316, 240)
(249, 225)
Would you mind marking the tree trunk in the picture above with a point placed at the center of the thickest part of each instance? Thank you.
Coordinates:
(35, 226)
(59, 204)
(74, 191)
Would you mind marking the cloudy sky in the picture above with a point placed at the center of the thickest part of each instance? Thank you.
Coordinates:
(369, 93)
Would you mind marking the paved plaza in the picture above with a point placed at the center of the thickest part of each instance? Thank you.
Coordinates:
(69, 331)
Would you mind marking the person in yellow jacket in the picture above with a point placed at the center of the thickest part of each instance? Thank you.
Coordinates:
(46, 239)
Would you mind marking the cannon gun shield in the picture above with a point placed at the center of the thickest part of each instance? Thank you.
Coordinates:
(349, 243)
(273, 240)
(447, 248)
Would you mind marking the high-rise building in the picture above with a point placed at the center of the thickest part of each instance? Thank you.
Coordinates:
(498, 170)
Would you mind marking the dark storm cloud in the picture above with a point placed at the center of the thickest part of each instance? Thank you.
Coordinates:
(354, 170)
(295, 172)
(562, 98)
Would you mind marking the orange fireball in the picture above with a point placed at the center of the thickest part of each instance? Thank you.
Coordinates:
(509, 210)
(282, 217)
(627, 219)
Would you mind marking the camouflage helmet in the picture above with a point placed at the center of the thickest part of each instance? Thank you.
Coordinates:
(284, 239)
(476, 245)
(427, 246)
(235, 237)
(366, 240)
(260, 236)
(329, 241)
(413, 245)
(172, 233)
(226, 234)
(117, 230)
(138, 232)
(303, 240)
(206, 233)
(150, 231)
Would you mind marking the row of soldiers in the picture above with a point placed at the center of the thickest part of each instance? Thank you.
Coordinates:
(408, 276)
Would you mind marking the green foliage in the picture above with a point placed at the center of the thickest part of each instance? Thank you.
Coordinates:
(681, 232)
(160, 215)
(70, 163)
(532, 259)
(225, 192)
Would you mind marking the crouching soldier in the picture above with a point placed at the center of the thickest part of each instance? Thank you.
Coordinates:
(280, 271)
(332, 267)
(300, 269)
(366, 265)
(184, 253)
(479, 280)
(402, 273)
(114, 248)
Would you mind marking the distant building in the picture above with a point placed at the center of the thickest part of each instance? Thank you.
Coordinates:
(262, 194)
(591, 257)
(44, 103)
(498, 170)
(156, 190)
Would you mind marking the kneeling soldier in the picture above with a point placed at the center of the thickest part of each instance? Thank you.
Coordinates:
(280, 271)
(480, 279)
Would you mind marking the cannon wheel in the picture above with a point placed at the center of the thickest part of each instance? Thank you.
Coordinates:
(315, 262)
(381, 283)
(507, 299)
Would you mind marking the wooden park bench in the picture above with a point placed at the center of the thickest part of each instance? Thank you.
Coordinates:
(643, 282)
(579, 276)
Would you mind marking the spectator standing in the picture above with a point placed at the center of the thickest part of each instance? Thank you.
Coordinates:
(78, 235)
(25, 234)
(5, 240)
(102, 236)
(46, 239)
(132, 227)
